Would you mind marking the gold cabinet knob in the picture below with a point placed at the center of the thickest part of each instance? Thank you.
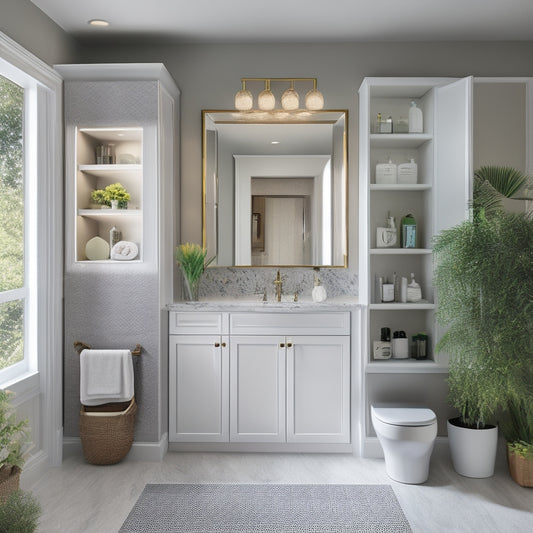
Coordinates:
(217, 344)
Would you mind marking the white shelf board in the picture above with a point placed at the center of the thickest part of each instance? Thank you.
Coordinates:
(411, 187)
(393, 306)
(99, 213)
(100, 169)
(401, 251)
(405, 366)
(399, 140)
(114, 134)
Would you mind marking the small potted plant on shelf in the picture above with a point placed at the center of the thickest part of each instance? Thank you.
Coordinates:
(484, 280)
(98, 198)
(114, 196)
(14, 444)
(117, 196)
(192, 260)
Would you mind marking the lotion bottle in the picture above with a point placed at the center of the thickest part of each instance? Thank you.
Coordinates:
(319, 291)
(386, 173)
(415, 119)
(408, 172)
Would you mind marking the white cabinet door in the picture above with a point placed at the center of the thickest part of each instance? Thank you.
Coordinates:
(318, 389)
(198, 388)
(257, 397)
(453, 153)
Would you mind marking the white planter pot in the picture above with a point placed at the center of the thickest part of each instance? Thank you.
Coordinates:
(473, 451)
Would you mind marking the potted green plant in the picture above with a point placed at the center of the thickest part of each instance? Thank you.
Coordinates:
(518, 432)
(117, 196)
(192, 260)
(14, 444)
(484, 281)
(19, 513)
(114, 196)
(98, 198)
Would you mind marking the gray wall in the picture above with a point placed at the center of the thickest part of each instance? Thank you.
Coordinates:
(31, 28)
(208, 76)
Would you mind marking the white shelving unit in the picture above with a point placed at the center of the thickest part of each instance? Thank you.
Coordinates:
(438, 200)
(91, 222)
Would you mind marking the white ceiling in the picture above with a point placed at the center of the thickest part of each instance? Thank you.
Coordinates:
(298, 20)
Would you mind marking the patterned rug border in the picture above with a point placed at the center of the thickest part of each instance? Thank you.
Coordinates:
(272, 508)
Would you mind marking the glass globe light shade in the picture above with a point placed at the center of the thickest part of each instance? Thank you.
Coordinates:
(314, 100)
(244, 100)
(290, 100)
(266, 100)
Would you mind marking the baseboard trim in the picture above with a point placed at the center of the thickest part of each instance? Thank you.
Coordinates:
(255, 447)
(140, 451)
(372, 448)
(34, 468)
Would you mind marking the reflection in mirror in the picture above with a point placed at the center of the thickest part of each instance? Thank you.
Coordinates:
(274, 189)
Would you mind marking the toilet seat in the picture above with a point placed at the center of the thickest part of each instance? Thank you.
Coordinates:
(405, 416)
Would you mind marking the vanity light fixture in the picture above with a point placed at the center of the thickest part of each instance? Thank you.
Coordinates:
(98, 22)
(244, 101)
(266, 100)
(290, 100)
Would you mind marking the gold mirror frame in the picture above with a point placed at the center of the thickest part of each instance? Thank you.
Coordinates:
(211, 118)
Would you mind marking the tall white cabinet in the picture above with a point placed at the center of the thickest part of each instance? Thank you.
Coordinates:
(438, 200)
(119, 303)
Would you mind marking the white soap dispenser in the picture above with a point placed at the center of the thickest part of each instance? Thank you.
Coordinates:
(386, 173)
(408, 173)
(319, 291)
(415, 119)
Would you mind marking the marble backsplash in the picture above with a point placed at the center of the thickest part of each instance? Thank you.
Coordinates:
(222, 282)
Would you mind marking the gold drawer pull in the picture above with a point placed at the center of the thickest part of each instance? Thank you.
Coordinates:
(281, 345)
(217, 344)
(289, 345)
(223, 345)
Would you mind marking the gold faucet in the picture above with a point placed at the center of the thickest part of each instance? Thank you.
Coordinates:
(279, 284)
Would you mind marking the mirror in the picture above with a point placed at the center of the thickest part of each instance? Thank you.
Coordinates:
(275, 188)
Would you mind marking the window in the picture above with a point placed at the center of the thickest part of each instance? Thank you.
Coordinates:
(12, 279)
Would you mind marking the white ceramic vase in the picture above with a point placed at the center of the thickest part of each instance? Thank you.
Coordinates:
(473, 451)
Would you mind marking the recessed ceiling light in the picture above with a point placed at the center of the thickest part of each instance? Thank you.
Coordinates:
(98, 22)
(274, 142)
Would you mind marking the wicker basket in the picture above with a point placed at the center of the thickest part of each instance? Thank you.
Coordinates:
(521, 469)
(106, 431)
(9, 480)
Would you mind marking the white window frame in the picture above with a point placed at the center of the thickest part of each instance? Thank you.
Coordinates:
(41, 375)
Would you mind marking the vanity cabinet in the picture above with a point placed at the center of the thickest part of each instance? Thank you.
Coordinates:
(198, 369)
(260, 378)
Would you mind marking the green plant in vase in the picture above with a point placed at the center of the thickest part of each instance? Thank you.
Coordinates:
(191, 258)
(117, 193)
(98, 197)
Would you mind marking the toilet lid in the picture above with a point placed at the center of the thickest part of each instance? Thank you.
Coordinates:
(405, 416)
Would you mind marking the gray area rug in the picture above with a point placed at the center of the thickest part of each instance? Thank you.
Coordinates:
(266, 508)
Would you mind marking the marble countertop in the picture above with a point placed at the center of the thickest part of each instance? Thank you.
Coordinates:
(256, 305)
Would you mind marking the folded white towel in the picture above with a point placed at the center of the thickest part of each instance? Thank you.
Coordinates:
(106, 376)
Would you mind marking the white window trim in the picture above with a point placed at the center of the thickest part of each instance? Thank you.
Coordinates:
(49, 243)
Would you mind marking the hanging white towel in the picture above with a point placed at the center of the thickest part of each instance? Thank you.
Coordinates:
(106, 376)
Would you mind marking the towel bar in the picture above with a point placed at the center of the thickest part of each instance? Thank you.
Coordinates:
(80, 346)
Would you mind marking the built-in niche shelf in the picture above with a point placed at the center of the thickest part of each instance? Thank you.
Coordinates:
(123, 166)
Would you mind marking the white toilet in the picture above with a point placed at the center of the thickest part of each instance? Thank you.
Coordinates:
(407, 435)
